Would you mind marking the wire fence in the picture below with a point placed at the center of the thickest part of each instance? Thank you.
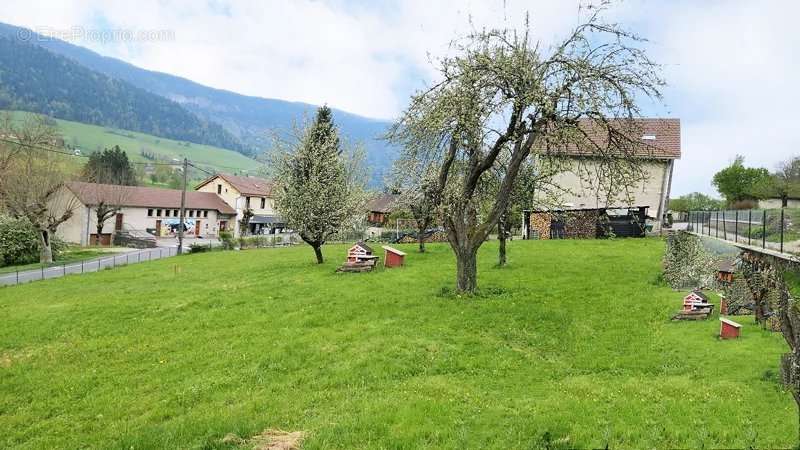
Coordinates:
(46, 272)
(775, 229)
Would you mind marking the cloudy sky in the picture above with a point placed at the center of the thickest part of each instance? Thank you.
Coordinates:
(729, 64)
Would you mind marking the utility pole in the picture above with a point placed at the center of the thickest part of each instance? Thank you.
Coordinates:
(183, 207)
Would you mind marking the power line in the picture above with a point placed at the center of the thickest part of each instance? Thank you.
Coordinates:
(77, 155)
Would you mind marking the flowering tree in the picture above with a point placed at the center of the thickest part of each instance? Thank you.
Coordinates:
(317, 192)
(501, 91)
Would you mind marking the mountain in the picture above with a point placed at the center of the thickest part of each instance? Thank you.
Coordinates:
(250, 119)
(37, 80)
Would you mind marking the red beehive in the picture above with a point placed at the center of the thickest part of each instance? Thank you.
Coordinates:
(393, 257)
(729, 329)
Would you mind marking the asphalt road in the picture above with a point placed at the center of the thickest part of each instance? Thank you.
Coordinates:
(91, 265)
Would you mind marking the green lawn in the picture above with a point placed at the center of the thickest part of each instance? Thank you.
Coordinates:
(70, 255)
(571, 345)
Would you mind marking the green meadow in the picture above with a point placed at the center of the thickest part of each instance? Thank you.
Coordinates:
(569, 346)
(90, 138)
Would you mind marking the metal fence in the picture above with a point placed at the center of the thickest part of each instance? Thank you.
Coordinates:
(45, 272)
(776, 229)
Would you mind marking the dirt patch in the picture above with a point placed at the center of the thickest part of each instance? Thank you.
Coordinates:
(269, 440)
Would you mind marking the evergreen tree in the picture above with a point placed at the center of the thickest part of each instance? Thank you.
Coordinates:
(111, 166)
(315, 196)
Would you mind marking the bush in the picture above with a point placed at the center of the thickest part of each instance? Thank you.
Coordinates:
(19, 242)
(686, 262)
(228, 242)
(199, 248)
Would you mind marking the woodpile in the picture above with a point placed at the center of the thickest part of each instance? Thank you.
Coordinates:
(540, 225)
(694, 314)
(581, 224)
(364, 266)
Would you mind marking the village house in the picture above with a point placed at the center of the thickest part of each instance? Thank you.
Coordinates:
(140, 209)
(659, 145)
(378, 210)
(248, 196)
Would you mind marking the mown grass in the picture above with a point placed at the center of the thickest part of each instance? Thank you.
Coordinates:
(571, 346)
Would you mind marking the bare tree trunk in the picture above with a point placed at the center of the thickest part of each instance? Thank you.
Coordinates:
(421, 239)
(501, 236)
(467, 270)
(46, 252)
(318, 253)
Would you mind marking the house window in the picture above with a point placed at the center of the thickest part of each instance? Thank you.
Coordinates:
(247, 203)
(158, 213)
(149, 213)
(175, 213)
(219, 189)
(166, 212)
(205, 213)
(263, 202)
(191, 213)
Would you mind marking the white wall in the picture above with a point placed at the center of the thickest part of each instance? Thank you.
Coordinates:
(584, 195)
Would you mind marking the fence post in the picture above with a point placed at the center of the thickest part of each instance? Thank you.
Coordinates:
(64, 269)
(724, 225)
(717, 227)
(764, 229)
(736, 228)
(781, 230)
(43, 271)
(17, 276)
(81, 266)
(749, 224)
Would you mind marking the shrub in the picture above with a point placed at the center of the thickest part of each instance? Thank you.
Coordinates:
(686, 263)
(228, 242)
(199, 248)
(19, 242)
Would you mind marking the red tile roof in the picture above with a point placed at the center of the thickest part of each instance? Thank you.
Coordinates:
(656, 138)
(245, 185)
(146, 197)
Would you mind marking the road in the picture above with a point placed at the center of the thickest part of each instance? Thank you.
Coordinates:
(91, 265)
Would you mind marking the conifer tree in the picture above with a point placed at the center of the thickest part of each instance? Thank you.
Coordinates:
(315, 195)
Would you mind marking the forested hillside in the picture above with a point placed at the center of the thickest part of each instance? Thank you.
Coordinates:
(35, 79)
(250, 119)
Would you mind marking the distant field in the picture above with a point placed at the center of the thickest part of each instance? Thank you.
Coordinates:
(570, 346)
(90, 138)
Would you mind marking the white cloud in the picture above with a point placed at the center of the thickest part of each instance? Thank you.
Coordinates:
(730, 65)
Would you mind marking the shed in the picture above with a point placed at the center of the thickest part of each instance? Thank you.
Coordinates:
(393, 257)
(729, 329)
(359, 252)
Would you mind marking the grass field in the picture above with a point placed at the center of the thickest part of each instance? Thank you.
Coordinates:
(90, 138)
(569, 346)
